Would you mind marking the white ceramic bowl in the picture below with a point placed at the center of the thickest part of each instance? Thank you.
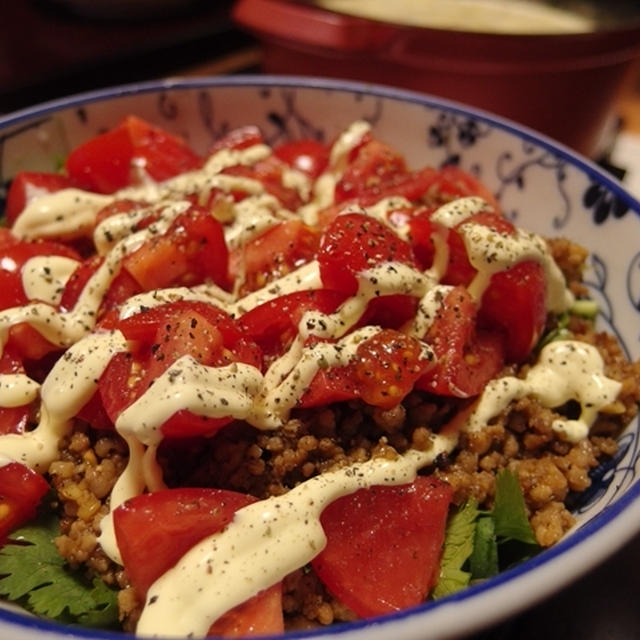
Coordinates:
(541, 185)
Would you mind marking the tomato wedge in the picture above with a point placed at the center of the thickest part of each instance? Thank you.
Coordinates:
(309, 156)
(451, 182)
(269, 172)
(155, 530)
(384, 545)
(123, 287)
(515, 300)
(466, 358)
(274, 253)
(382, 373)
(21, 491)
(387, 366)
(274, 324)
(335, 384)
(111, 161)
(238, 138)
(375, 166)
(354, 242)
(191, 252)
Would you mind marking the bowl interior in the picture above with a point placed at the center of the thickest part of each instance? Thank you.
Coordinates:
(540, 185)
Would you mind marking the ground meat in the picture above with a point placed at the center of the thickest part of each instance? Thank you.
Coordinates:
(307, 603)
(83, 477)
(129, 607)
(263, 464)
(570, 257)
(551, 522)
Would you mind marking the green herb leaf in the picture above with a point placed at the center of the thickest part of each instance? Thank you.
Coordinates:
(104, 614)
(35, 575)
(458, 546)
(509, 512)
(483, 562)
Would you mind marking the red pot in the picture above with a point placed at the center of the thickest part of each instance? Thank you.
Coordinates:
(562, 85)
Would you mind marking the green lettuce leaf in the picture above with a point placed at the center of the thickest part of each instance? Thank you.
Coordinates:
(483, 562)
(458, 546)
(509, 512)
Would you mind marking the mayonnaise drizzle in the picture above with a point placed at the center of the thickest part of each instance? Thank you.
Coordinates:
(288, 378)
(566, 370)
(68, 213)
(253, 216)
(212, 392)
(453, 213)
(17, 389)
(324, 186)
(303, 278)
(72, 212)
(44, 277)
(491, 252)
(66, 328)
(68, 387)
(142, 472)
(208, 293)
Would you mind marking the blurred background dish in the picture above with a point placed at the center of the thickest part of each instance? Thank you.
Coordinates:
(561, 79)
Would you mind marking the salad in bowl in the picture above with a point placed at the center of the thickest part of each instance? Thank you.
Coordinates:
(265, 373)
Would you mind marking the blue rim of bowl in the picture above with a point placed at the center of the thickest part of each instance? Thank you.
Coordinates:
(587, 538)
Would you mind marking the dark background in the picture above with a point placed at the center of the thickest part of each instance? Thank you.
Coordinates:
(50, 49)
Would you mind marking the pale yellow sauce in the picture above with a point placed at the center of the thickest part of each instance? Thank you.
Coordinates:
(490, 252)
(68, 387)
(566, 370)
(72, 212)
(17, 389)
(44, 277)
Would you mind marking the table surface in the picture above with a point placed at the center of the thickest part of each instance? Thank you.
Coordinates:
(48, 52)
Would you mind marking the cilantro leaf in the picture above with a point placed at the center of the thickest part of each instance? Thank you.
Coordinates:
(509, 513)
(104, 614)
(35, 575)
(483, 562)
(458, 546)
